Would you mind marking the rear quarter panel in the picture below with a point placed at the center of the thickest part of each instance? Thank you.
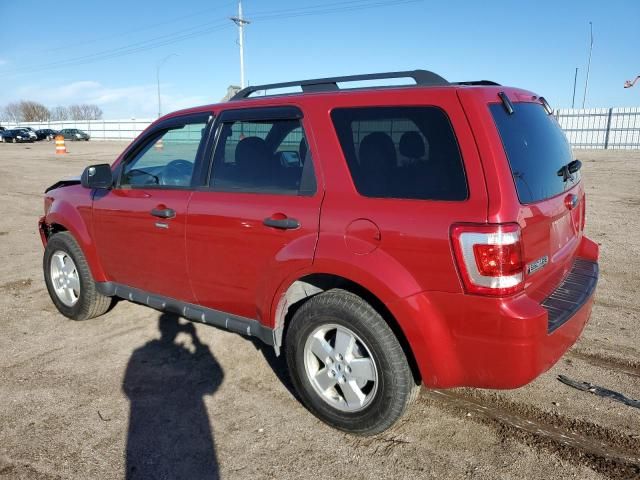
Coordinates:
(413, 253)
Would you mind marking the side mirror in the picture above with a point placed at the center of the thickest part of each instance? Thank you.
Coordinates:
(97, 176)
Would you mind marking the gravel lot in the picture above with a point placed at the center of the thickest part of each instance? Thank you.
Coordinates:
(70, 391)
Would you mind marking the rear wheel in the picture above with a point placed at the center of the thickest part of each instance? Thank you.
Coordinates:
(69, 280)
(347, 364)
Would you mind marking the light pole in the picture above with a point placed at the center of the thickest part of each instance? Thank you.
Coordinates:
(160, 63)
(241, 22)
(575, 79)
(586, 82)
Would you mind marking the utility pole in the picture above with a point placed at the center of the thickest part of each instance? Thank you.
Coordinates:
(575, 79)
(241, 22)
(586, 83)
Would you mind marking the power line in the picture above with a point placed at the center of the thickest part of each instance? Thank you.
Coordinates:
(141, 29)
(198, 30)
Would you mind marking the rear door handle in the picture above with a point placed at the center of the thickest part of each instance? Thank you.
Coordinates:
(282, 223)
(163, 212)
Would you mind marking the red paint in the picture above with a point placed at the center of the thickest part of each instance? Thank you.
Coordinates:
(217, 252)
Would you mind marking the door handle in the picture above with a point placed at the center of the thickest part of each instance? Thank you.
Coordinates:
(282, 223)
(163, 212)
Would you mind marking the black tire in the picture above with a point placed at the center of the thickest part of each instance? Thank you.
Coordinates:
(90, 302)
(396, 388)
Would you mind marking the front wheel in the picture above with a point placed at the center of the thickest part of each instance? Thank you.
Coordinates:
(69, 280)
(347, 365)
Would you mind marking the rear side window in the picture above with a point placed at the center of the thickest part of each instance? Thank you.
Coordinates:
(401, 152)
(270, 157)
(536, 148)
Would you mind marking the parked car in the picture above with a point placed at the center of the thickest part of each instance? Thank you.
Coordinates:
(428, 234)
(29, 131)
(46, 134)
(74, 134)
(16, 136)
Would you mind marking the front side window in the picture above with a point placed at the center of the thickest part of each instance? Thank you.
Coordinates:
(167, 159)
(268, 157)
(401, 152)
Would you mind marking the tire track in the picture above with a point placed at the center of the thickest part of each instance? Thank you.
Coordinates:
(628, 367)
(606, 451)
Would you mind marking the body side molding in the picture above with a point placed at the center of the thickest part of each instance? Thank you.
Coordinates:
(227, 321)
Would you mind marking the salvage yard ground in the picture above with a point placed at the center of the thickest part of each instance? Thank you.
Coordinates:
(70, 392)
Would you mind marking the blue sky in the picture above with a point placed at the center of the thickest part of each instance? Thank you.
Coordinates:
(74, 51)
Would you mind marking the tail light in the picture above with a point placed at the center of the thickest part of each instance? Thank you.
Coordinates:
(489, 257)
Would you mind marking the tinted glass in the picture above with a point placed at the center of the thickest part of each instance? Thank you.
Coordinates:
(263, 157)
(167, 160)
(401, 152)
(536, 148)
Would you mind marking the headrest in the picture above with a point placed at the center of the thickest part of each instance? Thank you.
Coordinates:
(377, 151)
(412, 145)
(252, 151)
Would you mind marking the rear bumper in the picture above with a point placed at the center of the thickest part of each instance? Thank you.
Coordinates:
(469, 340)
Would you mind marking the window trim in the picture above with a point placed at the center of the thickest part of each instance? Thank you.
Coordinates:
(403, 106)
(155, 131)
(255, 114)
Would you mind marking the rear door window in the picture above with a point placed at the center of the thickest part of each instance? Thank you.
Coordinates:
(269, 157)
(401, 152)
(536, 148)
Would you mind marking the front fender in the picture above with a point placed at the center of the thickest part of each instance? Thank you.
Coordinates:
(73, 212)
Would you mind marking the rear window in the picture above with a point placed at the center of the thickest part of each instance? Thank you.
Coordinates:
(401, 152)
(536, 148)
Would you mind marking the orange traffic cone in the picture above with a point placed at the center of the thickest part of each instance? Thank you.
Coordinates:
(60, 148)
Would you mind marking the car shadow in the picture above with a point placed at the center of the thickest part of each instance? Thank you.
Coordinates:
(277, 364)
(169, 431)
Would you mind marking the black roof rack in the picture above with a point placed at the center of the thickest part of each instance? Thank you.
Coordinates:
(421, 77)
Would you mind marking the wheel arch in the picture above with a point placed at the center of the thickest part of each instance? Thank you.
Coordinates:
(67, 219)
(309, 285)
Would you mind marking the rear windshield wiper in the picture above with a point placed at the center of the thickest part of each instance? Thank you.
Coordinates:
(567, 171)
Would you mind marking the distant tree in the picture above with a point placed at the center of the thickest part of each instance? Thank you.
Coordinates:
(30, 111)
(12, 112)
(84, 111)
(60, 113)
(25, 111)
(34, 111)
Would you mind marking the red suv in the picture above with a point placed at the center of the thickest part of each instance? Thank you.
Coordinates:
(382, 237)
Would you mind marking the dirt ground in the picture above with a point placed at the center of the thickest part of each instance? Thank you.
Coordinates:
(70, 392)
